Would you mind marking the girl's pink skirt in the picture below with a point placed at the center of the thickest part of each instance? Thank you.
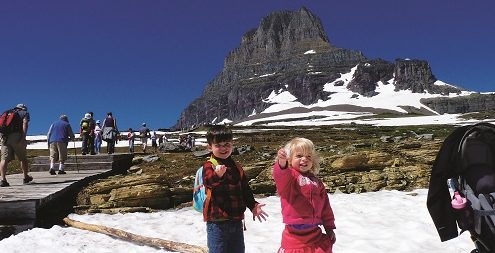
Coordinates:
(310, 240)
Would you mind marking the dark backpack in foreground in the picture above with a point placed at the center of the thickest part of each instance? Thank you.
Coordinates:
(467, 160)
(10, 122)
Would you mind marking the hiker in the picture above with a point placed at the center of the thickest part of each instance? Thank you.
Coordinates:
(193, 141)
(153, 141)
(58, 139)
(188, 142)
(14, 142)
(131, 136)
(98, 137)
(182, 141)
(466, 161)
(110, 132)
(86, 133)
(144, 133)
(160, 139)
(91, 140)
(229, 195)
(304, 200)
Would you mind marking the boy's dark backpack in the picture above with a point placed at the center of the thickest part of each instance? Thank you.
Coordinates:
(476, 181)
(10, 122)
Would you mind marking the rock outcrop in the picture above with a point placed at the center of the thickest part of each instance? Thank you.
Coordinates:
(473, 103)
(352, 160)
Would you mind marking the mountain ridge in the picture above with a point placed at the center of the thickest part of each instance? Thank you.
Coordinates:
(290, 51)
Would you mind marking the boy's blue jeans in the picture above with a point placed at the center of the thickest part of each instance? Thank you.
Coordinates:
(225, 236)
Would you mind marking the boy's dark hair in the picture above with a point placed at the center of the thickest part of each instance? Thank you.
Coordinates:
(219, 133)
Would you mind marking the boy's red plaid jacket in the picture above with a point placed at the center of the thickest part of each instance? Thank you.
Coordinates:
(230, 194)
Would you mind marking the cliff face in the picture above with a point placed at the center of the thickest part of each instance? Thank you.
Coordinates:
(280, 35)
(472, 103)
(290, 50)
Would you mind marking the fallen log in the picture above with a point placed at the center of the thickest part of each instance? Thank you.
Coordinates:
(149, 241)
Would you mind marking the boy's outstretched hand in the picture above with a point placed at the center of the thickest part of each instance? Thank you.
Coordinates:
(220, 170)
(259, 213)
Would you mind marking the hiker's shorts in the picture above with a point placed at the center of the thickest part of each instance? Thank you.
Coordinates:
(58, 150)
(144, 141)
(14, 145)
(310, 240)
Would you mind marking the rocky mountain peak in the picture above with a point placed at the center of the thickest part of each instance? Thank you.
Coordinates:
(279, 35)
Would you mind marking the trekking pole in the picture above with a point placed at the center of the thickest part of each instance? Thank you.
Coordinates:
(75, 156)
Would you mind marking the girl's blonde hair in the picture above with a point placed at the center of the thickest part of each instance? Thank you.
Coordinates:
(307, 147)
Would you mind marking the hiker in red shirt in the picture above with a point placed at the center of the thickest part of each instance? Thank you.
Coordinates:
(14, 142)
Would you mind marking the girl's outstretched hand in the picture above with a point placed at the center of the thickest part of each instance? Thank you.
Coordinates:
(259, 213)
(282, 158)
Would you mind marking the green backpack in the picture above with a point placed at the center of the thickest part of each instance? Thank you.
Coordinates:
(85, 126)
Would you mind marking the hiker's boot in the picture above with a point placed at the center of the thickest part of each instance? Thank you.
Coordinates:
(27, 179)
(52, 172)
(4, 183)
(61, 172)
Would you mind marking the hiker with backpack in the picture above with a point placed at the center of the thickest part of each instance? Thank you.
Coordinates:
(58, 136)
(466, 164)
(86, 133)
(304, 199)
(227, 195)
(110, 132)
(144, 134)
(14, 125)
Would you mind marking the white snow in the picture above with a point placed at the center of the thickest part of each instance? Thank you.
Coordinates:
(386, 98)
(384, 221)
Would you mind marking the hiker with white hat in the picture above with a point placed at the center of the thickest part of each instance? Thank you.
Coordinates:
(85, 133)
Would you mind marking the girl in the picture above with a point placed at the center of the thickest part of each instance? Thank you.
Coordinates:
(304, 200)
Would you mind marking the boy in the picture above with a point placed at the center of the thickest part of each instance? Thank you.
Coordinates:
(229, 195)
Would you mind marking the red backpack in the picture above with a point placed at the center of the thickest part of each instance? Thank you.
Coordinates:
(10, 122)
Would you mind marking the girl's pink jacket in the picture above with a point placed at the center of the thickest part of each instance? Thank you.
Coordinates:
(303, 198)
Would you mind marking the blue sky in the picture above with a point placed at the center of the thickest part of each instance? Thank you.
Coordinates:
(145, 61)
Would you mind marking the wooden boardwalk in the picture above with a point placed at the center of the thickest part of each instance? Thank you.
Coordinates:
(49, 198)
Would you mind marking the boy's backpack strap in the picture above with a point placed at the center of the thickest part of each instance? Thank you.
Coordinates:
(208, 191)
(213, 160)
